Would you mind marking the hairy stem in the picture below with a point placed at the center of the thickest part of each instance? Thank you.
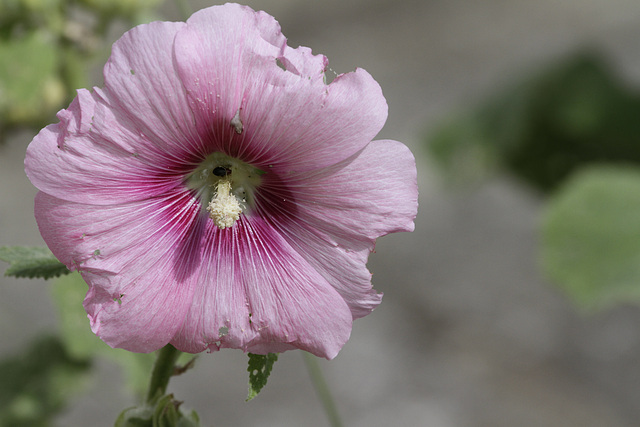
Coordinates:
(162, 371)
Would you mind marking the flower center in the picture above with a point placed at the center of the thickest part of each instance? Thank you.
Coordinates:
(225, 187)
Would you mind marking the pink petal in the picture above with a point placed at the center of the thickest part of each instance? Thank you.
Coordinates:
(343, 267)
(291, 273)
(257, 294)
(62, 157)
(373, 194)
(139, 260)
(291, 120)
(332, 217)
(142, 83)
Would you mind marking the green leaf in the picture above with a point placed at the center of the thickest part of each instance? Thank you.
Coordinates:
(259, 369)
(591, 237)
(31, 262)
(36, 384)
(68, 294)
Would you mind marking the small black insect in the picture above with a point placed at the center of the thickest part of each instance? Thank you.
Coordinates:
(221, 171)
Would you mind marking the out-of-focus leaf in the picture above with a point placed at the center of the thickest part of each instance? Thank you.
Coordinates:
(545, 127)
(68, 294)
(126, 8)
(29, 84)
(591, 237)
(35, 385)
(21, 16)
(461, 148)
(31, 262)
(260, 366)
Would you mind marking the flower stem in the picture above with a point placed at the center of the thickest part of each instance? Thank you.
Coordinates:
(322, 389)
(162, 371)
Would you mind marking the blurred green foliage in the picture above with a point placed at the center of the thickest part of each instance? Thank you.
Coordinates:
(573, 132)
(47, 48)
(591, 237)
(541, 130)
(36, 384)
(30, 87)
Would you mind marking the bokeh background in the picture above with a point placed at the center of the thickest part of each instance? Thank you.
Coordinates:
(471, 332)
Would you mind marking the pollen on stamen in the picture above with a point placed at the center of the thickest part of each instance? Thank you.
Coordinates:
(224, 209)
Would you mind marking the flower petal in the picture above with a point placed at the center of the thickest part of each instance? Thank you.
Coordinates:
(62, 157)
(344, 268)
(139, 260)
(227, 58)
(257, 294)
(291, 272)
(137, 128)
(371, 194)
(141, 81)
(333, 217)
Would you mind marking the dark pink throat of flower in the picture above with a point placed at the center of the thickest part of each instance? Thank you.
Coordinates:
(226, 187)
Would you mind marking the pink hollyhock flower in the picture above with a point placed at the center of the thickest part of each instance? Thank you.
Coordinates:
(217, 193)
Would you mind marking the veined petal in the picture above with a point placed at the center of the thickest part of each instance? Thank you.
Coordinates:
(344, 268)
(257, 294)
(141, 81)
(220, 109)
(73, 161)
(372, 194)
(139, 260)
(333, 217)
(227, 59)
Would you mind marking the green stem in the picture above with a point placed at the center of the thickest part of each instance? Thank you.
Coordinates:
(322, 389)
(162, 371)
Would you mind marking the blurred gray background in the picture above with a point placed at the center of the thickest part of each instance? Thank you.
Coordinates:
(469, 334)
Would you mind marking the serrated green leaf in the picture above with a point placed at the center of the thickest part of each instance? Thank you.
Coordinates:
(31, 262)
(591, 237)
(68, 294)
(260, 366)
